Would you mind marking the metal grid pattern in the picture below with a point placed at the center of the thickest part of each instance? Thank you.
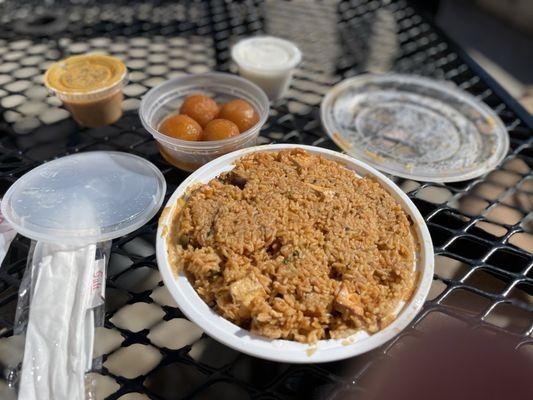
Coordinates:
(482, 229)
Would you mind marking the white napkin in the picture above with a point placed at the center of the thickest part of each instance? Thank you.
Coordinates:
(60, 330)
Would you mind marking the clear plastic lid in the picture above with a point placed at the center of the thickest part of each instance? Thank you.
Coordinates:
(85, 198)
(414, 127)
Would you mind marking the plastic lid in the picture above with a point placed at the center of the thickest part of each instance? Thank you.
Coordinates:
(85, 74)
(85, 198)
(414, 127)
(266, 54)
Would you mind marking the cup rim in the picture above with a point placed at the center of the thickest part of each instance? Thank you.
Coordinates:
(295, 60)
(261, 98)
(68, 95)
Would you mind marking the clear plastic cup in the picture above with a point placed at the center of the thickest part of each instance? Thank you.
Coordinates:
(267, 61)
(90, 87)
(166, 99)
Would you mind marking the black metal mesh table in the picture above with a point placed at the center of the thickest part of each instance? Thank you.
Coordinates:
(482, 229)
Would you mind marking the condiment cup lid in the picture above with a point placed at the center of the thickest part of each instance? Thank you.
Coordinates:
(414, 127)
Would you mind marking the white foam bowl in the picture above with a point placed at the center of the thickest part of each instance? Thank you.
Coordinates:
(242, 340)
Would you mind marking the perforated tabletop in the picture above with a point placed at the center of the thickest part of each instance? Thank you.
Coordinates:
(482, 229)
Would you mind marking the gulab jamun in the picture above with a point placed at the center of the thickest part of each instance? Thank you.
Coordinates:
(219, 129)
(181, 127)
(239, 112)
(200, 108)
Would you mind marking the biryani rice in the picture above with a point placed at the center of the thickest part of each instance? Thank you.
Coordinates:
(290, 245)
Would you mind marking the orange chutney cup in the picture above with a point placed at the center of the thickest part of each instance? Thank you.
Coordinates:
(90, 87)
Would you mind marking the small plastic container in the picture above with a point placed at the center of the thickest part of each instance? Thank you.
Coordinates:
(90, 87)
(267, 61)
(166, 99)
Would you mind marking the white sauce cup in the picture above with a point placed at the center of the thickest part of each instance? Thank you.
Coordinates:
(267, 61)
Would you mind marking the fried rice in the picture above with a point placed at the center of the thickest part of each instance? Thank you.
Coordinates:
(290, 245)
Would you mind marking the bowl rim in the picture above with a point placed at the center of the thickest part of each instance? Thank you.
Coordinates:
(242, 340)
(189, 79)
